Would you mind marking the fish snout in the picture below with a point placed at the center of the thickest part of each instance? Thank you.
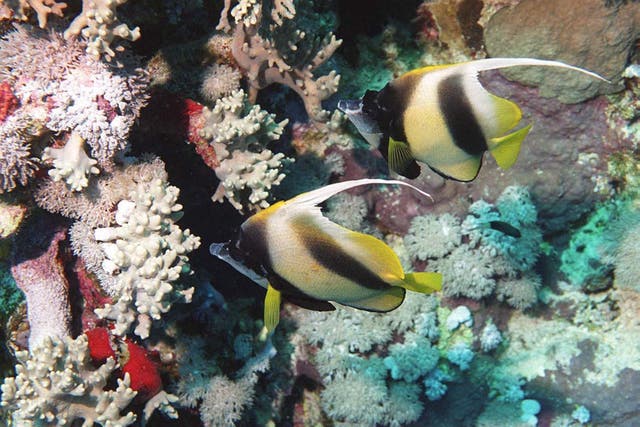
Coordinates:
(219, 250)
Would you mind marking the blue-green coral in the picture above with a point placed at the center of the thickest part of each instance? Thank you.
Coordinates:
(475, 259)
(588, 259)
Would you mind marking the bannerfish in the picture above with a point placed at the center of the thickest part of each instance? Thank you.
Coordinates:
(442, 116)
(298, 254)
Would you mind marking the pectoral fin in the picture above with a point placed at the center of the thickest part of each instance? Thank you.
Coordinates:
(272, 308)
(505, 149)
(401, 159)
(423, 282)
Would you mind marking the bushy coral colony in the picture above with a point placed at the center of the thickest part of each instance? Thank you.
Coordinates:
(135, 134)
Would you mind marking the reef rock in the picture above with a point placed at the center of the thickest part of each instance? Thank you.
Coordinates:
(594, 36)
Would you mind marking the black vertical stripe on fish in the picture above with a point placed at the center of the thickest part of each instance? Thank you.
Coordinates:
(458, 115)
(327, 252)
(252, 243)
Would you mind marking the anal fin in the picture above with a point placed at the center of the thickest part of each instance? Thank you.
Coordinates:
(385, 301)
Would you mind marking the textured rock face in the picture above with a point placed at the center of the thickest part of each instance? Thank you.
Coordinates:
(588, 34)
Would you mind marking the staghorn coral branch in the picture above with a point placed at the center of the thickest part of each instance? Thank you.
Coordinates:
(17, 9)
(264, 64)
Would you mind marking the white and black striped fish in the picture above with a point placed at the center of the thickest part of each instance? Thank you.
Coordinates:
(442, 116)
(296, 253)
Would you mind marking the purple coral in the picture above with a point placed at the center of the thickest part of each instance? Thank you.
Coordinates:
(38, 272)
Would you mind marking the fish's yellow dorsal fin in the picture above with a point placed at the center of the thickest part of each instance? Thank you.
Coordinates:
(505, 149)
(401, 159)
(507, 114)
(383, 302)
(423, 282)
(272, 308)
(427, 69)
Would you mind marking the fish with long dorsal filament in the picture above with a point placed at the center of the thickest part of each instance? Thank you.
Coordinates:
(298, 254)
(442, 116)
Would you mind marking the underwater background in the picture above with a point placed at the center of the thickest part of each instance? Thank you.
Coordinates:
(135, 134)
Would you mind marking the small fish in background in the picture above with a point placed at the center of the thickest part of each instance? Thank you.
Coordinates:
(295, 252)
(442, 116)
(505, 228)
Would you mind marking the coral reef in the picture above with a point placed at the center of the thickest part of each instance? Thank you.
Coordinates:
(62, 90)
(238, 134)
(97, 22)
(38, 269)
(121, 121)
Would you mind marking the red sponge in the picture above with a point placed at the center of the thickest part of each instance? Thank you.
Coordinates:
(100, 345)
(143, 372)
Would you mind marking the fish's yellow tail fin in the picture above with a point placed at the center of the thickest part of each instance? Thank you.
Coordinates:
(505, 149)
(507, 114)
(423, 282)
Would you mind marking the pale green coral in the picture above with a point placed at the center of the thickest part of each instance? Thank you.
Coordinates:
(57, 384)
(239, 134)
(147, 254)
(99, 24)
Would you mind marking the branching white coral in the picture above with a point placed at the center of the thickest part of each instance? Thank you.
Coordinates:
(62, 89)
(236, 125)
(71, 163)
(98, 105)
(100, 25)
(238, 133)
(57, 384)
(246, 178)
(147, 253)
